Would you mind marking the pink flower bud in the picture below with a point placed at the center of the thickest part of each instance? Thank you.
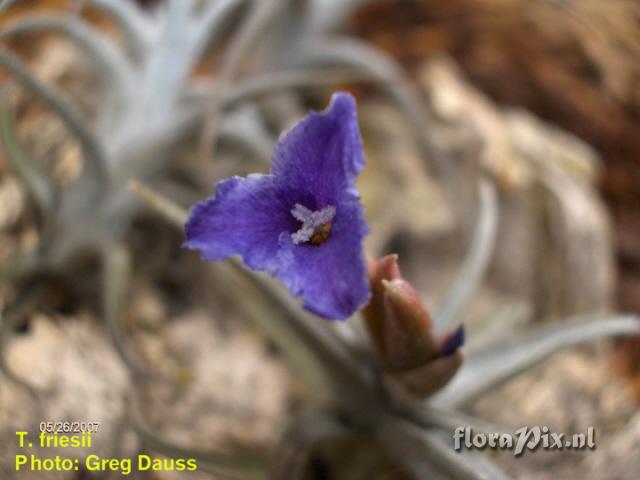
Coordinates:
(407, 339)
(384, 269)
(416, 362)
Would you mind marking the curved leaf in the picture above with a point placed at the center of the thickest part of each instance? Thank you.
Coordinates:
(331, 14)
(266, 83)
(94, 177)
(262, 12)
(491, 367)
(109, 59)
(212, 19)
(476, 262)
(137, 28)
(117, 273)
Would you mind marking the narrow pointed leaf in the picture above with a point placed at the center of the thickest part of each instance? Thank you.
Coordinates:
(489, 368)
(430, 416)
(117, 273)
(447, 316)
(111, 62)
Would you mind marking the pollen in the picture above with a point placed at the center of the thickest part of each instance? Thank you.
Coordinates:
(316, 225)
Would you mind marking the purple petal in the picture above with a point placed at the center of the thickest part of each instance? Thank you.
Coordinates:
(245, 217)
(273, 221)
(454, 341)
(322, 153)
(331, 278)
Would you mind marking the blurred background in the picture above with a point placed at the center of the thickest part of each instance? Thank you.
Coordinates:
(104, 313)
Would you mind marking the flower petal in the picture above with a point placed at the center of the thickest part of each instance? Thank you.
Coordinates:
(322, 153)
(452, 342)
(331, 278)
(245, 217)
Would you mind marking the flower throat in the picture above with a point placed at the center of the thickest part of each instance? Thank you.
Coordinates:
(316, 225)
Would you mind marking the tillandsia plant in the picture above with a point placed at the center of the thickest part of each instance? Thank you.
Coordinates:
(148, 103)
(399, 388)
(303, 224)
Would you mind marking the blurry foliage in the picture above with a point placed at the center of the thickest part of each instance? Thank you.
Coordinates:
(181, 76)
(572, 62)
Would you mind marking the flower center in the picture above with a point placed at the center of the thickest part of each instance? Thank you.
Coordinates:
(316, 226)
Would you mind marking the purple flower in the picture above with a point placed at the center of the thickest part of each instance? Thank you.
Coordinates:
(303, 222)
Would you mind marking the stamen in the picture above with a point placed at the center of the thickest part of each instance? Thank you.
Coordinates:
(316, 225)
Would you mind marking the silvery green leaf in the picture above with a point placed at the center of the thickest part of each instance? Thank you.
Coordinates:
(138, 29)
(94, 177)
(170, 211)
(145, 150)
(6, 3)
(271, 82)
(212, 21)
(425, 453)
(259, 17)
(265, 83)
(30, 172)
(166, 65)
(462, 464)
(325, 365)
(116, 273)
(491, 367)
(110, 61)
(240, 465)
(430, 416)
(328, 15)
(498, 323)
(245, 127)
(447, 315)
